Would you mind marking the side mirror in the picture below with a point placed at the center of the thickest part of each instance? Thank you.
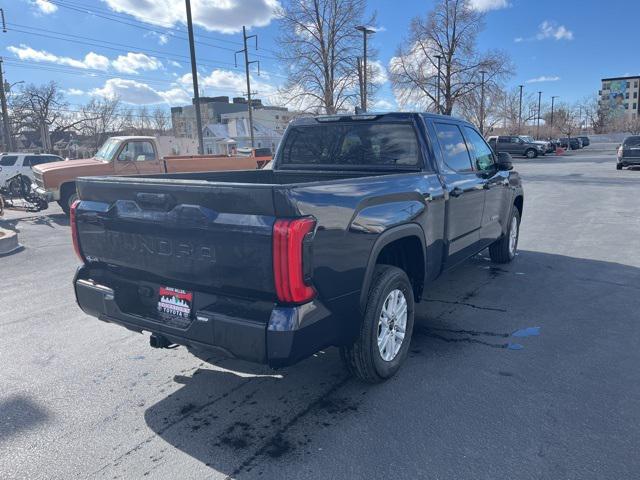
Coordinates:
(504, 161)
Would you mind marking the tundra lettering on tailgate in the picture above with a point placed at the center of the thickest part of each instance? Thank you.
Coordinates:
(124, 245)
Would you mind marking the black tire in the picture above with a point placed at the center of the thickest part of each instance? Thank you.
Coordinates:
(501, 251)
(363, 358)
(618, 166)
(531, 153)
(67, 197)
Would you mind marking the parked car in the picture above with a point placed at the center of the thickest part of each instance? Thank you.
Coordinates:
(629, 152)
(127, 156)
(516, 145)
(585, 141)
(12, 164)
(548, 147)
(569, 143)
(333, 246)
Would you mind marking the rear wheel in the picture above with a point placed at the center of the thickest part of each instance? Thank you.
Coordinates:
(504, 250)
(531, 153)
(385, 332)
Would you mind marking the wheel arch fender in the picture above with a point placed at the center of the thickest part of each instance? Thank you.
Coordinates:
(386, 238)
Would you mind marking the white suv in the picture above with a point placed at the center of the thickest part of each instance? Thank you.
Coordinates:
(13, 163)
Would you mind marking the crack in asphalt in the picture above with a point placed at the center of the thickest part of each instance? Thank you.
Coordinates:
(428, 333)
(185, 415)
(277, 440)
(466, 304)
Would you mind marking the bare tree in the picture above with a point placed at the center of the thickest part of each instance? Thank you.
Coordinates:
(490, 115)
(99, 117)
(566, 119)
(160, 120)
(450, 31)
(42, 108)
(598, 114)
(631, 125)
(319, 44)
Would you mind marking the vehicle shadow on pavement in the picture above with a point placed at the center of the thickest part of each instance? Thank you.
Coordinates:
(19, 413)
(253, 422)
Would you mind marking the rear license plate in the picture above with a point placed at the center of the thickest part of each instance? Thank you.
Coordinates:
(175, 304)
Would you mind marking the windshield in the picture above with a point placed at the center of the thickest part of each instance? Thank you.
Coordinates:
(527, 138)
(632, 142)
(107, 150)
(354, 144)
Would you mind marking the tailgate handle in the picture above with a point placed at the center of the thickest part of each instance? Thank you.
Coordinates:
(153, 199)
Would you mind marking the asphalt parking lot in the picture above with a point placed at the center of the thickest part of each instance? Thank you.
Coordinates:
(526, 371)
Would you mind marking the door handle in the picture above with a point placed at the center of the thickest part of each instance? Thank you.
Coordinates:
(456, 192)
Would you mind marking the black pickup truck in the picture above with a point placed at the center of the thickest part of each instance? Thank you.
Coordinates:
(331, 246)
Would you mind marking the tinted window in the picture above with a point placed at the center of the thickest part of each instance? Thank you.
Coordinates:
(504, 139)
(8, 160)
(632, 142)
(263, 152)
(137, 151)
(480, 151)
(454, 148)
(358, 144)
(40, 159)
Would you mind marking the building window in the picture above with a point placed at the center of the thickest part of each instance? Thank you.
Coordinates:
(626, 106)
(626, 95)
(628, 84)
(635, 106)
(635, 84)
(635, 94)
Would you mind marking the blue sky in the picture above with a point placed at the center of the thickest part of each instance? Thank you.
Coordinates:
(561, 47)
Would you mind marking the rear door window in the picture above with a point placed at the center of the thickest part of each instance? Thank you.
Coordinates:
(40, 159)
(454, 148)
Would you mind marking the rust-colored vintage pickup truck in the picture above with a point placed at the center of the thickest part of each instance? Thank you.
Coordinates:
(56, 181)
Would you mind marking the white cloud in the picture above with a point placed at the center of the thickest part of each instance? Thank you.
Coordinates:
(173, 63)
(91, 59)
(44, 6)
(486, 5)
(139, 93)
(163, 38)
(550, 29)
(226, 16)
(518, 39)
(543, 78)
(229, 82)
(384, 105)
(74, 91)
(133, 62)
(378, 72)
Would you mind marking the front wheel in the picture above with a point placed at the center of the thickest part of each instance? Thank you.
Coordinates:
(385, 332)
(67, 200)
(504, 250)
(531, 153)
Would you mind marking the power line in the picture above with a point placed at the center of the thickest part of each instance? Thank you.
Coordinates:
(127, 49)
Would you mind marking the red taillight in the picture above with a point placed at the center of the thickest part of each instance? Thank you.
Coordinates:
(74, 230)
(288, 259)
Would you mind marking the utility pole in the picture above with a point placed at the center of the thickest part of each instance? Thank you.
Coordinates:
(194, 74)
(360, 85)
(245, 50)
(520, 111)
(365, 31)
(439, 57)
(538, 127)
(552, 102)
(483, 73)
(6, 128)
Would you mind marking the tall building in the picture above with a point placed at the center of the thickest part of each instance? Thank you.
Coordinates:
(620, 95)
(183, 119)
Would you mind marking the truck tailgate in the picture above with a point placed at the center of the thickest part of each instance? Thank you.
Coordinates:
(180, 233)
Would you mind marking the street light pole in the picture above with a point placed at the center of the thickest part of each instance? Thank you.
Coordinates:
(439, 57)
(520, 111)
(552, 102)
(538, 127)
(365, 31)
(194, 75)
(483, 73)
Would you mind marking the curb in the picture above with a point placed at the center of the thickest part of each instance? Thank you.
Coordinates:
(8, 241)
